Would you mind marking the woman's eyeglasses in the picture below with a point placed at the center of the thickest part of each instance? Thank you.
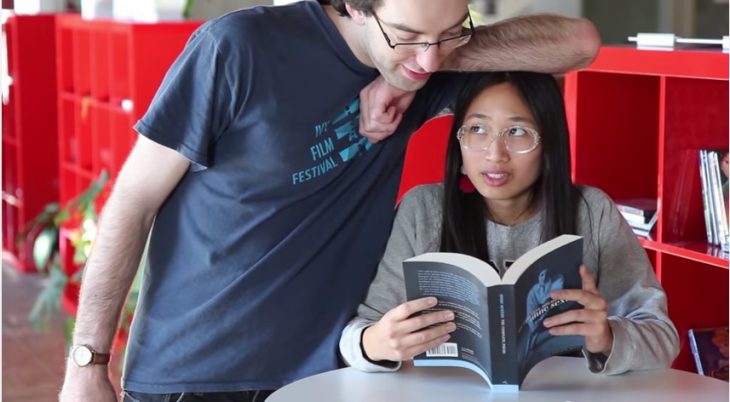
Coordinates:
(517, 139)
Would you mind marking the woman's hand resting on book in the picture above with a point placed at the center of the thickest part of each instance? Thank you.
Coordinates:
(399, 335)
(591, 321)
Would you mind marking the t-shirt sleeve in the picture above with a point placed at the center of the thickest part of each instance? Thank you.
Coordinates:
(192, 106)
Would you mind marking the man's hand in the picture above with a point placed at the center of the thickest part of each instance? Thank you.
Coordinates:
(381, 109)
(397, 337)
(591, 322)
(87, 384)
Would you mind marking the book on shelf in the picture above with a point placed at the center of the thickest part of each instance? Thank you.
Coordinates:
(710, 351)
(714, 180)
(640, 213)
(643, 208)
(643, 229)
(646, 234)
(499, 321)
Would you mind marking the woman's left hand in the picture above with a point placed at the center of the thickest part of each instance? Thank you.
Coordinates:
(591, 322)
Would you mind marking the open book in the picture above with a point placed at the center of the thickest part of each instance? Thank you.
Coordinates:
(499, 321)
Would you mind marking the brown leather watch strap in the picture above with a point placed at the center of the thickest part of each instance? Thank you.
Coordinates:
(100, 358)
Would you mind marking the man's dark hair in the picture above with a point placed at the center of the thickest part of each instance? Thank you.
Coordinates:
(366, 6)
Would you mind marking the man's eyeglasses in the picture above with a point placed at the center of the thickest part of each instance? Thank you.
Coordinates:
(517, 139)
(442, 45)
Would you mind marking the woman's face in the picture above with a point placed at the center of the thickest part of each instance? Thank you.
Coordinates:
(503, 178)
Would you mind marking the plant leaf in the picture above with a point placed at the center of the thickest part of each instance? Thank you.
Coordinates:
(48, 302)
(44, 247)
(68, 330)
(187, 9)
(45, 218)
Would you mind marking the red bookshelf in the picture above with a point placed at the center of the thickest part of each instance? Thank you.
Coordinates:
(29, 130)
(108, 71)
(637, 120)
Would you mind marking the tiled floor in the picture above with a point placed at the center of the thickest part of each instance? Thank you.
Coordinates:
(32, 362)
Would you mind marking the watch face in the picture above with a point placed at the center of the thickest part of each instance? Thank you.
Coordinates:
(82, 355)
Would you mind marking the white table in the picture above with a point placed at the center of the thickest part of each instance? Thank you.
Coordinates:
(557, 379)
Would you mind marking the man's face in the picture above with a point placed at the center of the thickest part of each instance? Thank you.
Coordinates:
(412, 21)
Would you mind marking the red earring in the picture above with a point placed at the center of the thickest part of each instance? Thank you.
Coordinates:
(465, 185)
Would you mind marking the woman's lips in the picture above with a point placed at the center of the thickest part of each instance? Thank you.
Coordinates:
(495, 179)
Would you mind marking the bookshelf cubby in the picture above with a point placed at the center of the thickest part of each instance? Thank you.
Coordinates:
(637, 120)
(29, 144)
(107, 73)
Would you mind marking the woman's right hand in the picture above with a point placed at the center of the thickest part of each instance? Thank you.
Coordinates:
(400, 334)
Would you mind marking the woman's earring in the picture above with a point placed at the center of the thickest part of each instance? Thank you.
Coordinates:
(465, 185)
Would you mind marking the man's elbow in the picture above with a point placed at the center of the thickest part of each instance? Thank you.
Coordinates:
(589, 42)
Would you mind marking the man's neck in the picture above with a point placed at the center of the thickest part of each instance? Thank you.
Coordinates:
(351, 32)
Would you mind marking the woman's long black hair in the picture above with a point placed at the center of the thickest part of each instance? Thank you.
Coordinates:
(464, 229)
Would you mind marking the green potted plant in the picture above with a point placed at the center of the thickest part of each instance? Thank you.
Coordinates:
(46, 250)
(79, 218)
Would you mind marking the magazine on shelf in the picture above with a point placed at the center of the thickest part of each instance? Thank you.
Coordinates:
(714, 179)
(500, 332)
(707, 200)
(710, 351)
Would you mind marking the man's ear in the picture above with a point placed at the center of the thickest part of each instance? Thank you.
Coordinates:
(357, 16)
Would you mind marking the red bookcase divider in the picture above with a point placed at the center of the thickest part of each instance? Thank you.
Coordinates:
(29, 142)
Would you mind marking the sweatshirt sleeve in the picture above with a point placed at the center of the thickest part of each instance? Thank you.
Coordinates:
(643, 335)
(413, 233)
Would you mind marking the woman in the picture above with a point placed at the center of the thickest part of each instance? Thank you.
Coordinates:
(507, 188)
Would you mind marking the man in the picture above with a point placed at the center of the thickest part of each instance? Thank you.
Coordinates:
(270, 211)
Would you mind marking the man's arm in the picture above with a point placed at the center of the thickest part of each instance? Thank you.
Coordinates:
(150, 173)
(542, 43)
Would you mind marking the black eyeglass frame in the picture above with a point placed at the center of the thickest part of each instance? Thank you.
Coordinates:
(425, 45)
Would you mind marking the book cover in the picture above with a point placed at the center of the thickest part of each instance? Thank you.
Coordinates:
(499, 321)
(710, 350)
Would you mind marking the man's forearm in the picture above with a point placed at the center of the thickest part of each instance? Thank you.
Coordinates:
(542, 43)
(109, 272)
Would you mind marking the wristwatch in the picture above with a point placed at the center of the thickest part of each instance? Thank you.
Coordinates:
(84, 355)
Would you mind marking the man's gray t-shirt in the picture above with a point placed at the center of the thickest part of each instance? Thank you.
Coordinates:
(263, 251)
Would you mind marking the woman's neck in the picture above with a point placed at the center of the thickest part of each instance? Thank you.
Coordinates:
(511, 212)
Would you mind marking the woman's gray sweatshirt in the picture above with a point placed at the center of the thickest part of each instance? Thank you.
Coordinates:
(643, 335)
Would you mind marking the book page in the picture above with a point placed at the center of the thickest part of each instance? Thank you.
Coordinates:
(479, 269)
(531, 257)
